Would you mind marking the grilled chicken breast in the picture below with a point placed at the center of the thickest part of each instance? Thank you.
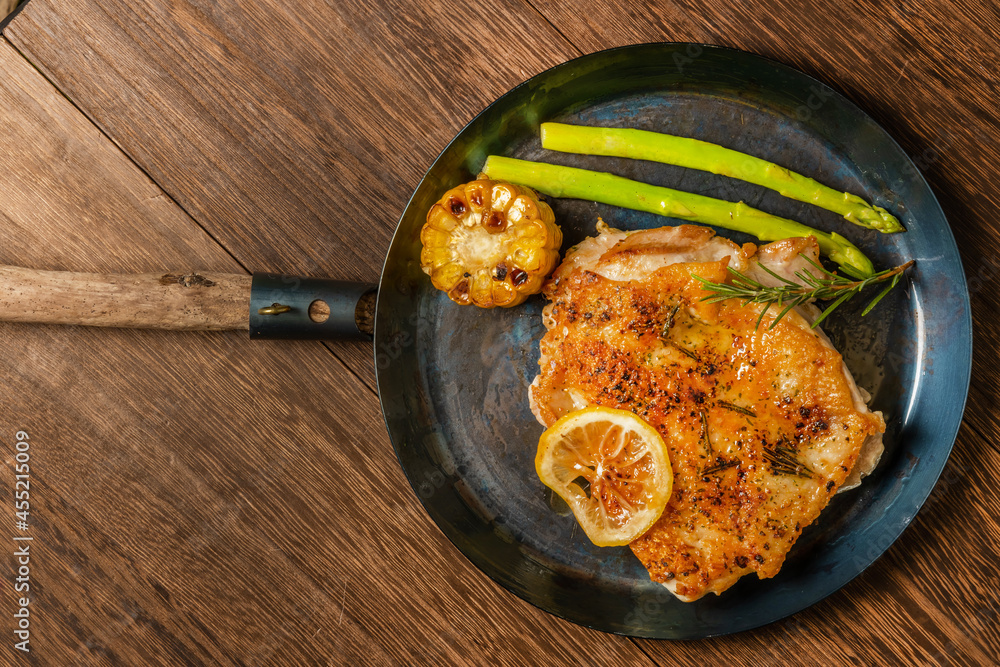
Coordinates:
(763, 425)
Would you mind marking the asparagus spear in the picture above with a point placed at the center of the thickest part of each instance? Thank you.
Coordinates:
(558, 181)
(706, 156)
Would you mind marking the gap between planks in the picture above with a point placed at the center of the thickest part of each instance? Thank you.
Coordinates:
(579, 51)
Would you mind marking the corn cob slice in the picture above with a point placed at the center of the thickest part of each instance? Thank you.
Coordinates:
(489, 243)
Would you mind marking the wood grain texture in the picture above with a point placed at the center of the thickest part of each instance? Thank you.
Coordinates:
(178, 301)
(289, 142)
(72, 201)
(293, 132)
(198, 498)
(288, 535)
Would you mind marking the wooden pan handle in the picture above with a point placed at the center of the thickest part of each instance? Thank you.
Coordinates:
(182, 301)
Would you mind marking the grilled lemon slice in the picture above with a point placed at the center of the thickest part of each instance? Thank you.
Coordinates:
(611, 468)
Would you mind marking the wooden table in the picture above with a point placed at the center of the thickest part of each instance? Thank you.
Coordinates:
(188, 500)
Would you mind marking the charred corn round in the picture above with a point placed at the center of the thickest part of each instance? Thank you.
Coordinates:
(489, 243)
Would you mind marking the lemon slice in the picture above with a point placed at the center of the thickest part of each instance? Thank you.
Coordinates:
(611, 468)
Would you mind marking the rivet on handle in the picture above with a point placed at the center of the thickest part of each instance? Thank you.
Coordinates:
(274, 309)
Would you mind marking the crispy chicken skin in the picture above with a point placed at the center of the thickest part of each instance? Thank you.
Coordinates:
(763, 426)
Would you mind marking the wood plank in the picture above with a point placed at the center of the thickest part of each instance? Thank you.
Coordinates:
(73, 201)
(194, 496)
(294, 132)
(594, 26)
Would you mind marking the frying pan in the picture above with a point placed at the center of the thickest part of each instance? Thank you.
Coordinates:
(453, 380)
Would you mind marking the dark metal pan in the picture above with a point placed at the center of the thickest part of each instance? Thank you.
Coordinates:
(453, 380)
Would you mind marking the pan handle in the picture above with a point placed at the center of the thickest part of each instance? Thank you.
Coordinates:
(289, 307)
(268, 305)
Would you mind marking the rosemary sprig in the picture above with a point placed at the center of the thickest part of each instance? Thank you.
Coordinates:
(719, 466)
(789, 294)
(736, 408)
(687, 353)
(669, 323)
(784, 462)
(704, 431)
